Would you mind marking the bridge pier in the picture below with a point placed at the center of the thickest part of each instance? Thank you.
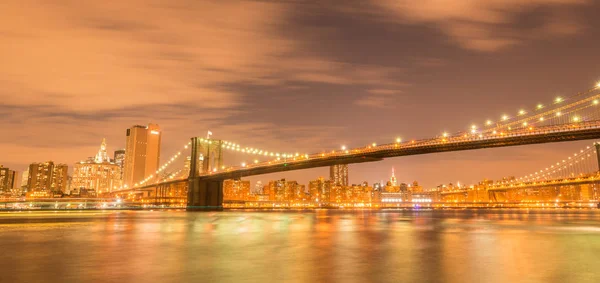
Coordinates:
(205, 195)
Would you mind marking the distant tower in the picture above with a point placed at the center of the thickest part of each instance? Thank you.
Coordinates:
(338, 174)
(393, 178)
(102, 156)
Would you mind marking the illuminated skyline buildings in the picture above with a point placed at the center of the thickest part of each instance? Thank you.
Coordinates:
(142, 153)
(119, 159)
(99, 175)
(48, 177)
(338, 174)
(7, 180)
(24, 179)
(320, 190)
(236, 189)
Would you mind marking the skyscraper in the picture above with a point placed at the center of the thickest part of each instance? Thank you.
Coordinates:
(142, 153)
(119, 159)
(338, 174)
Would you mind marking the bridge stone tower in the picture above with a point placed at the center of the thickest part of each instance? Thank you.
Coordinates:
(205, 194)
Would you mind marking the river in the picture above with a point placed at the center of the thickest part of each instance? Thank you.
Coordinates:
(301, 246)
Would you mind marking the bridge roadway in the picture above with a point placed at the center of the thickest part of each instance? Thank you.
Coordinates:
(547, 134)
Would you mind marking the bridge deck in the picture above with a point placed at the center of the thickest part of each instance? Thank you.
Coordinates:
(547, 134)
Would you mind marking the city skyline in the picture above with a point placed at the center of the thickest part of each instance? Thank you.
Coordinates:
(408, 71)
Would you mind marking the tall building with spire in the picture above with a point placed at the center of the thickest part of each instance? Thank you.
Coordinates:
(96, 176)
(393, 180)
(142, 153)
(102, 156)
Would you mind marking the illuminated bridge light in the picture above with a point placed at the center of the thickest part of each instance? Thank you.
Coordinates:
(504, 117)
(522, 112)
(558, 100)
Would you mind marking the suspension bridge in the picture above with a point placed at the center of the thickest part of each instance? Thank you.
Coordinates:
(572, 118)
(574, 178)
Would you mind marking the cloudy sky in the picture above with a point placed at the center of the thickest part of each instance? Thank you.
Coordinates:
(290, 76)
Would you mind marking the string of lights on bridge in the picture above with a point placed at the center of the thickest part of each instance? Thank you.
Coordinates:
(164, 166)
(579, 163)
(541, 113)
(559, 110)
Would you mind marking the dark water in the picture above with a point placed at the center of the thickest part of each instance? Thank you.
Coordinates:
(321, 246)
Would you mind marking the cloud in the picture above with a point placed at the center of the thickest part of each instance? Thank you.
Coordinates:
(483, 25)
(72, 73)
(379, 98)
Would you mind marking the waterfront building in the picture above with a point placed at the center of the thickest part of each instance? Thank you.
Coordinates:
(236, 190)
(258, 188)
(119, 159)
(276, 190)
(100, 175)
(320, 190)
(142, 153)
(48, 177)
(338, 174)
(7, 180)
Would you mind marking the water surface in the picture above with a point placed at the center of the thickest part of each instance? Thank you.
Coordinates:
(305, 246)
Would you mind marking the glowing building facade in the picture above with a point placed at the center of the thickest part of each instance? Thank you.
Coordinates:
(338, 174)
(119, 159)
(320, 190)
(100, 175)
(7, 180)
(236, 190)
(142, 153)
(47, 177)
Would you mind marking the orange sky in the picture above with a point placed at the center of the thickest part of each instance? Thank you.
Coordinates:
(289, 76)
